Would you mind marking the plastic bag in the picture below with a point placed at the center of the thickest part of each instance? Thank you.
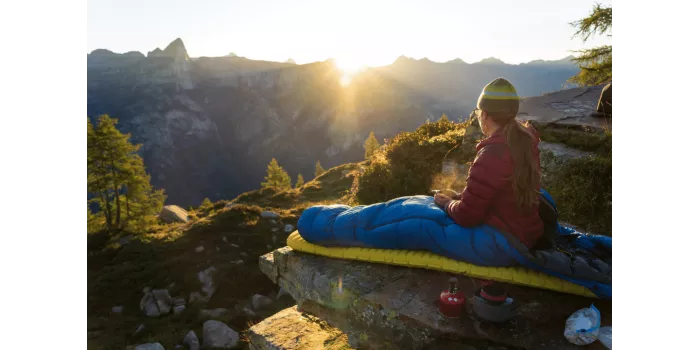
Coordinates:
(605, 336)
(583, 326)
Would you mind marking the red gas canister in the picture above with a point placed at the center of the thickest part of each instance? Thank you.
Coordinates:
(451, 301)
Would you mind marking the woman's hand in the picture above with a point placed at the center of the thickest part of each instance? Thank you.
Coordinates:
(442, 200)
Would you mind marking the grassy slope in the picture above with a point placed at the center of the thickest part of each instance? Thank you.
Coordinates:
(166, 255)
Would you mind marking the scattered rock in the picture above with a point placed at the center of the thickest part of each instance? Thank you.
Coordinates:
(214, 313)
(269, 215)
(235, 245)
(274, 229)
(224, 239)
(199, 249)
(125, 240)
(237, 262)
(173, 213)
(206, 277)
(197, 298)
(217, 334)
(117, 309)
(179, 346)
(288, 228)
(273, 222)
(163, 300)
(261, 301)
(149, 305)
(178, 309)
(139, 329)
(244, 255)
(149, 346)
(191, 340)
(179, 301)
(146, 289)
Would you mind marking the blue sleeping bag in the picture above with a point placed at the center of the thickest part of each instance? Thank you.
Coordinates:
(416, 223)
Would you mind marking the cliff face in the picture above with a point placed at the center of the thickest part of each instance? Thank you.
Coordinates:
(210, 125)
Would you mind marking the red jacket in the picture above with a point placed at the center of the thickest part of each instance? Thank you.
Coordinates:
(489, 198)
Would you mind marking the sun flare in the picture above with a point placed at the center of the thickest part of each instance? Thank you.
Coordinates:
(350, 67)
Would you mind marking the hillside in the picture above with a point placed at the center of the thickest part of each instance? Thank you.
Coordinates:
(209, 125)
(224, 240)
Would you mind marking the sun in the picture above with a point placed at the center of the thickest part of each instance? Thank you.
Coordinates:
(350, 66)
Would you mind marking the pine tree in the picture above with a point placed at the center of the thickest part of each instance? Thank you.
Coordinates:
(276, 177)
(595, 63)
(319, 169)
(300, 181)
(117, 178)
(371, 145)
(206, 203)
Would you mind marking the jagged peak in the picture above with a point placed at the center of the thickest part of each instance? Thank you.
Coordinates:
(176, 49)
(490, 60)
(456, 61)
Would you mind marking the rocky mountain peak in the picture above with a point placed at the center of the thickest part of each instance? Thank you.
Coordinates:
(491, 60)
(175, 49)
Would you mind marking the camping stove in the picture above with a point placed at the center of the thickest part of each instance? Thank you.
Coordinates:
(451, 301)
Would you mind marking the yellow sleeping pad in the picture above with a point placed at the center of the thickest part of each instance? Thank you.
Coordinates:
(514, 275)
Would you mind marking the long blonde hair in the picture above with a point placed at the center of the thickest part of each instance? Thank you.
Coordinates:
(526, 176)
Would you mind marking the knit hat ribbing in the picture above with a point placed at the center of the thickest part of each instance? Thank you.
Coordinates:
(499, 99)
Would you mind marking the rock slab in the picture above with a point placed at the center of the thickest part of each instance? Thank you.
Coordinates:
(383, 304)
(290, 329)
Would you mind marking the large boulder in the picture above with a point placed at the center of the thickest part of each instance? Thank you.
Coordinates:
(173, 213)
(382, 304)
(217, 334)
(149, 305)
(206, 277)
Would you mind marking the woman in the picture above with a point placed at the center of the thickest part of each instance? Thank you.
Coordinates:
(504, 180)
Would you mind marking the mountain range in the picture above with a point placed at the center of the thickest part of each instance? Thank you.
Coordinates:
(210, 125)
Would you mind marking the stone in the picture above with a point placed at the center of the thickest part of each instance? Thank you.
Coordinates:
(191, 341)
(217, 334)
(261, 301)
(213, 313)
(179, 301)
(172, 214)
(237, 262)
(244, 255)
(206, 277)
(383, 304)
(269, 215)
(288, 228)
(163, 300)
(199, 249)
(139, 329)
(178, 309)
(149, 305)
(117, 309)
(292, 330)
(565, 107)
(275, 229)
(235, 245)
(149, 346)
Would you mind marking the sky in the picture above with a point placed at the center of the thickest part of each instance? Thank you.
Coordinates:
(354, 32)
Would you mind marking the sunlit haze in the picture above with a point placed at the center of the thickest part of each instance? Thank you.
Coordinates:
(354, 33)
